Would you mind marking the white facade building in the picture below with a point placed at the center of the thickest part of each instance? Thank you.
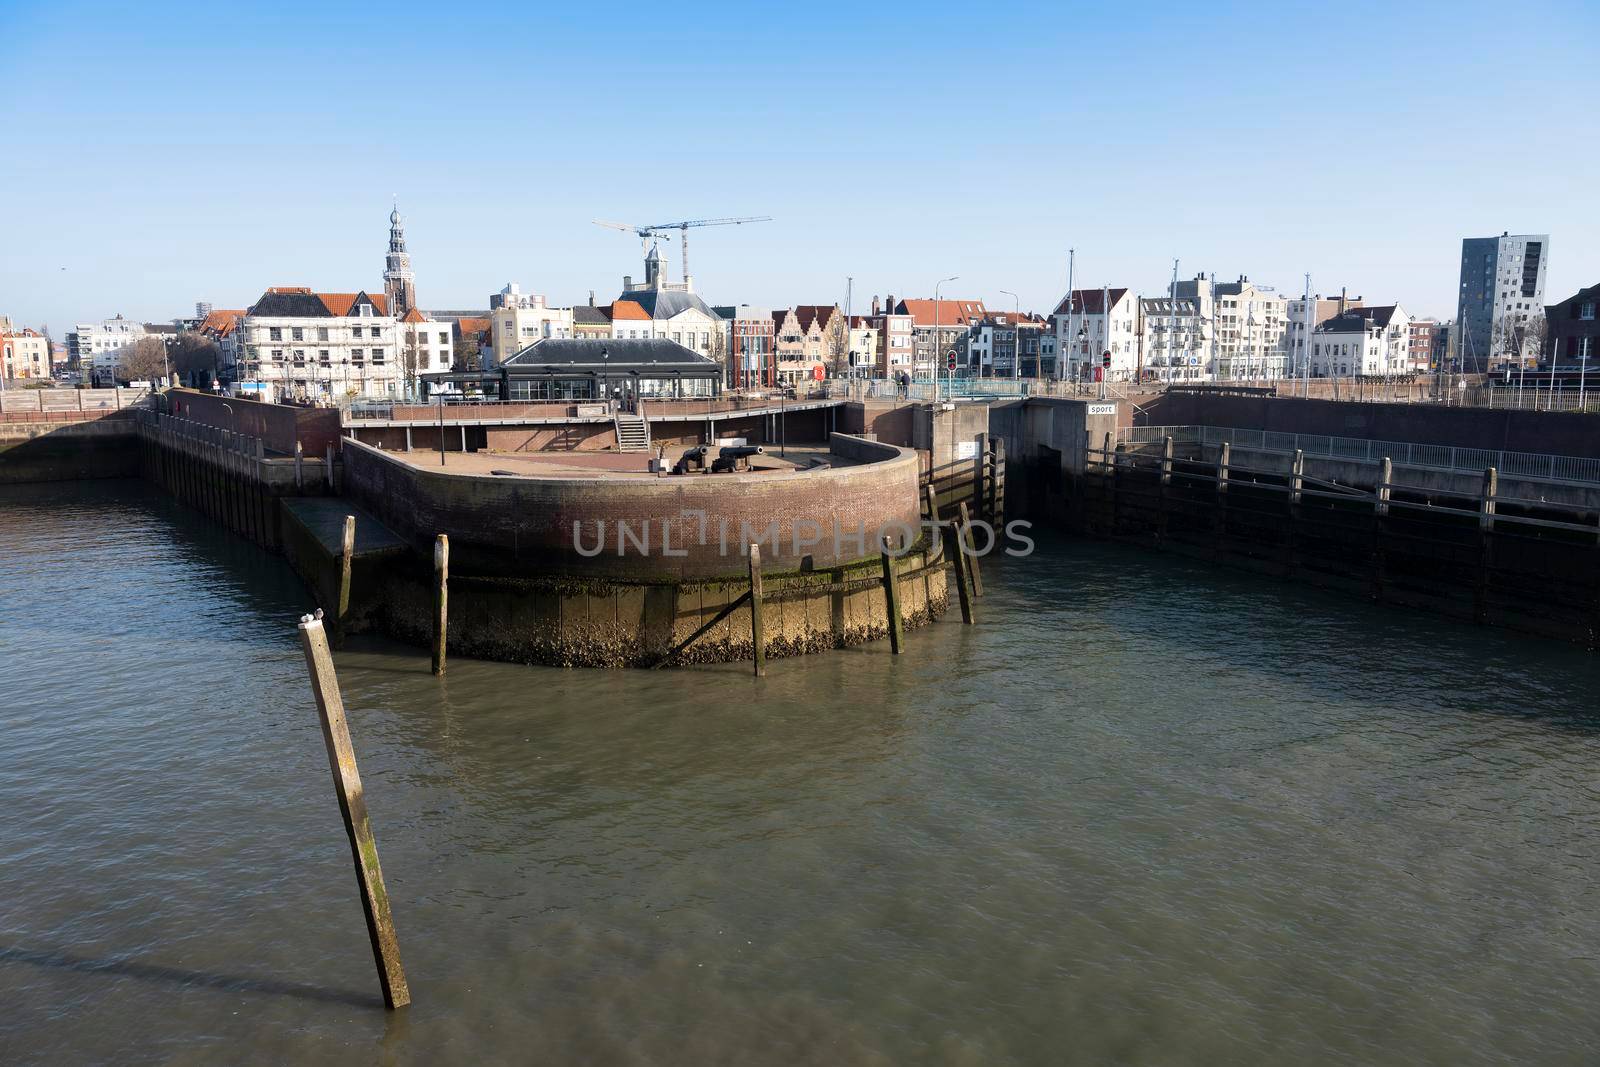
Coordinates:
(1362, 341)
(96, 348)
(328, 347)
(1091, 322)
(1177, 332)
(426, 343)
(1249, 333)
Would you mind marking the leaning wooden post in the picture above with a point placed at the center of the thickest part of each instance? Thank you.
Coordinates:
(441, 596)
(347, 551)
(758, 641)
(353, 807)
(964, 541)
(958, 557)
(327, 468)
(891, 598)
(1380, 499)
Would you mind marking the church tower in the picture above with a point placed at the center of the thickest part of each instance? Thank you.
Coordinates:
(397, 280)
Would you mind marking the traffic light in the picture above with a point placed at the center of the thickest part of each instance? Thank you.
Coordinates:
(1105, 360)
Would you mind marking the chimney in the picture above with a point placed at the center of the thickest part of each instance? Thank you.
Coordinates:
(1341, 299)
(591, 298)
(875, 308)
(627, 283)
(888, 304)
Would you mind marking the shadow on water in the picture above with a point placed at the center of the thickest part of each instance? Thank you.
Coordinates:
(153, 972)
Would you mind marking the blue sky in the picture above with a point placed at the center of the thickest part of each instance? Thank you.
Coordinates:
(158, 155)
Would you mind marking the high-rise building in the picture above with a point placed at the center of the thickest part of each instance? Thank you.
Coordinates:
(1502, 287)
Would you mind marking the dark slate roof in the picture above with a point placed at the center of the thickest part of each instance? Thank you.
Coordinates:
(665, 303)
(1349, 322)
(1379, 315)
(589, 315)
(585, 352)
(290, 303)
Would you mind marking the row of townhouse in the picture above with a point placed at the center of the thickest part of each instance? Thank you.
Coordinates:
(1200, 330)
(24, 352)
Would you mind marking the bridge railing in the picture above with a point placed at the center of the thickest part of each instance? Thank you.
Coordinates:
(1536, 465)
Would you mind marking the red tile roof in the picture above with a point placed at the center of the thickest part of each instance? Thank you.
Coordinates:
(471, 327)
(628, 309)
(339, 304)
(413, 316)
(220, 323)
(950, 312)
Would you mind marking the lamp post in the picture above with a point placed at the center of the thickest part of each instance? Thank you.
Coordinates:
(936, 356)
(605, 374)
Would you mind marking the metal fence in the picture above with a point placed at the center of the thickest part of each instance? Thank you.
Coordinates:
(1402, 453)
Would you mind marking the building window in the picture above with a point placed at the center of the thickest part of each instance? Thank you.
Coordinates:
(322, 333)
(297, 334)
(277, 354)
(1586, 310)
(274, 334)
(358, 354)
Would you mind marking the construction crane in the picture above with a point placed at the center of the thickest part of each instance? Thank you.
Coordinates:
(647, 233)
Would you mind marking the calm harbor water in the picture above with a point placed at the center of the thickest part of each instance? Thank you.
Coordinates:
(1145, 812)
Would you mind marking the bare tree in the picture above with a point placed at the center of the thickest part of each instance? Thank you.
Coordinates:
(836, 345)
(469, 356)
(143, 361)
(1534, 334)
(194, 354)
(719, 349)
(410, 359)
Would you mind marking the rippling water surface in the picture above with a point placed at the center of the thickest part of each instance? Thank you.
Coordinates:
(1144, 812)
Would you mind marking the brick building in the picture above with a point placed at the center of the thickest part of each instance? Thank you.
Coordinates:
(1574, 328)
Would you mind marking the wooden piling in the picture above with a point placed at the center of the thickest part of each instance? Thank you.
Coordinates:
(958, 556)
(1297, 478)
(299, 466)
(347, 551)
(1491, 486)
(964, 541)
(353, 808)
(758, 642)
(1166, 460)
(441, 597)
(891, 597)
(1223, 457)
(327, 467)
(1380, 498)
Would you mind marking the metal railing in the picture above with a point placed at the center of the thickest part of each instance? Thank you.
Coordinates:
(1539, 465)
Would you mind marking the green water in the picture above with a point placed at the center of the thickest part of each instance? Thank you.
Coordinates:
(1144, 812)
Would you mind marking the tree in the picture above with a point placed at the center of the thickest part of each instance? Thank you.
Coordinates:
(1534, 334)
(469, 356)
(194, 354)
(143, 361)
(410, 358)
(836, 346)
(719, 349)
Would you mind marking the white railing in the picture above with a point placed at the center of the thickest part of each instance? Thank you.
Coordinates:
(1539, 465)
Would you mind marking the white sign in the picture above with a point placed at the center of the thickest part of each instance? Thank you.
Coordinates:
(1102, 409)
(966, 449)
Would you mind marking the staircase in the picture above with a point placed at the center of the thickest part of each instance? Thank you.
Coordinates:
(633, 432)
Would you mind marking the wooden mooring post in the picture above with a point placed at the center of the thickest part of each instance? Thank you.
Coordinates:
(299, 466)
(952, 546)
(347, 551)
(891, 597)
(353, 808)
(441, 597)
(964, 542)
(758, 641)
(1491, 487)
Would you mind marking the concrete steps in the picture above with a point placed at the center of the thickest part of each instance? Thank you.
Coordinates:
(633, 432)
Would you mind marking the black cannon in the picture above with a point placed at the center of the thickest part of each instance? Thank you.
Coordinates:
(734, 458)
(693, 459)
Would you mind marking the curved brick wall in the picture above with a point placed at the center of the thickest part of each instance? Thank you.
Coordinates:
(521, 525)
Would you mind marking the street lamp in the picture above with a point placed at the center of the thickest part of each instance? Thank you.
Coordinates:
(605, 373)
(936, 356)
(1016, 348)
